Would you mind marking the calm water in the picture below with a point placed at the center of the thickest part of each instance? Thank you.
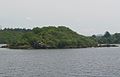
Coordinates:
(89, 62)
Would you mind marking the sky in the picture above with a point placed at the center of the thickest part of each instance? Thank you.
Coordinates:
(86, 17)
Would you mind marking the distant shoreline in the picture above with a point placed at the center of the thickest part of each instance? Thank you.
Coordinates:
(108, 45)
(22, 47)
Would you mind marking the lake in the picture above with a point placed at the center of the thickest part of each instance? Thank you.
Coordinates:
(88, 62)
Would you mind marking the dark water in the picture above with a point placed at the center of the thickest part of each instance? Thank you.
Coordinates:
(89, 62)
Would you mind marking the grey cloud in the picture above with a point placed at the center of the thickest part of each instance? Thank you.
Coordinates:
(84, 16)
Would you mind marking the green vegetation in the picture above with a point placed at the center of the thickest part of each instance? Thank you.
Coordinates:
(46, 37)
(108, 38)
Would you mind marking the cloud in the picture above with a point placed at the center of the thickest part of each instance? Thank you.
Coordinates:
(28, 18)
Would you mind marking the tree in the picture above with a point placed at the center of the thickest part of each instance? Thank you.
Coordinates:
(107, 34)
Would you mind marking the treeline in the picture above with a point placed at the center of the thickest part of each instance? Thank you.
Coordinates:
(108, 38)
(11, 35)
(45, 37)
(16, 29)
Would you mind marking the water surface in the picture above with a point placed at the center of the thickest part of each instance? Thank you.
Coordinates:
(89, 62)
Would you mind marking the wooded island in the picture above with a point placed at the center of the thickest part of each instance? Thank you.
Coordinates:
(52, 37)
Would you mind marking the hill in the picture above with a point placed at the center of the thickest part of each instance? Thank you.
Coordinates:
(46, 37)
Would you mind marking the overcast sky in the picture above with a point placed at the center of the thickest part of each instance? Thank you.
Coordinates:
(84, 16)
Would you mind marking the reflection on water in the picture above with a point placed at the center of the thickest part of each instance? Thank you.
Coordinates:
(89, 62)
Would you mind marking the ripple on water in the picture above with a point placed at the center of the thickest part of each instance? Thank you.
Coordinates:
(94, 62)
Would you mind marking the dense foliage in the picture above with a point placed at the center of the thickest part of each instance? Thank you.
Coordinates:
(108, 38)
(46, 37)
